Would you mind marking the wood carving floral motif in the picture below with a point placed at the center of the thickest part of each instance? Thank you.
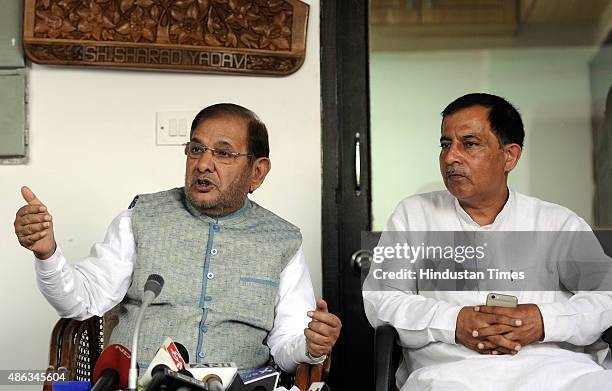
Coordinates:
(257, 24)
(264, 37)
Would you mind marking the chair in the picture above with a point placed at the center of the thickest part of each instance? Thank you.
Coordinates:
(76, 345)
(387, 353)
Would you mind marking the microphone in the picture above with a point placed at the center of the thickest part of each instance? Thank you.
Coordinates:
(213, 382)
(111, 370)
(318, 386)
(169, 356)
(261, 379)
(172, 380)
(184, 354)
(152, 288)
(219, 376)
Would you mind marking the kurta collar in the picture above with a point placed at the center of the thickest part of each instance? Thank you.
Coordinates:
(232, 218)
(240, 212)
(501, 216)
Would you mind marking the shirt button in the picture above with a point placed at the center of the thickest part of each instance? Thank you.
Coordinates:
(210, 276)
(216, 228)
(201, 354)
(204, 328)
(213, 251)
(207, 298)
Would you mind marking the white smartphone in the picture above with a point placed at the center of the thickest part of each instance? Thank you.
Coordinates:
(501, 300)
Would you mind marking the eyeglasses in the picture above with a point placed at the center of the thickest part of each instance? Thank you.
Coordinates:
(195, 150)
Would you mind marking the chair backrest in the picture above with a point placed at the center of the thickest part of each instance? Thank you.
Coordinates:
(76, 345)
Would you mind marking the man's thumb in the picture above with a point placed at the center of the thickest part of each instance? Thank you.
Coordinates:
(322, 305)
(29, 196)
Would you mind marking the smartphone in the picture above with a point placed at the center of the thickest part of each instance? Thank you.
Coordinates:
(500, 300)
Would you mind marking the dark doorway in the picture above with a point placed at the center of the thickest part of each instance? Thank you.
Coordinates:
(346, 183)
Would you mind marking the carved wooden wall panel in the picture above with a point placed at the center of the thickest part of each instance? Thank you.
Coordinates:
(224, 36)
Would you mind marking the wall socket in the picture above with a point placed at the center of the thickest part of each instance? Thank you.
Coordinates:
(173, 127)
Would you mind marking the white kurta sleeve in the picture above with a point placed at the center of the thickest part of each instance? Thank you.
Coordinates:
(418, 320)
(581, 319)
(294, 299)
(95, 284)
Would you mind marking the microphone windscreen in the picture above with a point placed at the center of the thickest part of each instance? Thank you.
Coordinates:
(154, 284)
(115, 357)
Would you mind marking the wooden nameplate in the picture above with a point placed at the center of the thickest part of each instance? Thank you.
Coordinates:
(261, 37)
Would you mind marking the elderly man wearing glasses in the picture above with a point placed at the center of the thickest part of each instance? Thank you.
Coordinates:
(237, 286)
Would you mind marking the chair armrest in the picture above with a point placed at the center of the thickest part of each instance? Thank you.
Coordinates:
(306, 374)
(55, 345)
(302, 376)
(69, 347)
(386, 357)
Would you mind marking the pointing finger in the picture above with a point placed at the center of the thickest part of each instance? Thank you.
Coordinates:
(321, 328)
(30, 209)
(325, 317)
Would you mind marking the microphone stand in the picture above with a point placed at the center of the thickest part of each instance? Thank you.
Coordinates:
(152, 288)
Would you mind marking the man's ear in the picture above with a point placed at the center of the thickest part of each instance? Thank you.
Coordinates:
(512, 154)
(260, 168)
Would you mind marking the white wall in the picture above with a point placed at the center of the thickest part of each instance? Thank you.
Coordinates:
(93, 148)
(550, 87)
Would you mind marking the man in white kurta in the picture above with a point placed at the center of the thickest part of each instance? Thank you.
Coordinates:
(563, 349)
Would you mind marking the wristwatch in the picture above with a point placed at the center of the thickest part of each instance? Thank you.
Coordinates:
(313, 358)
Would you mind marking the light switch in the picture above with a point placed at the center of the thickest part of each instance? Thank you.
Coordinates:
(173, 131)
(172, 127)
(182, 129)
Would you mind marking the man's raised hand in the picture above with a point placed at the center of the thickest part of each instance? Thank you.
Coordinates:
(34, 226)
(323, 331)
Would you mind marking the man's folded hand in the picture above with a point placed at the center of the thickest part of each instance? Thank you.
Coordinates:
(530, 330)
(470, 320)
